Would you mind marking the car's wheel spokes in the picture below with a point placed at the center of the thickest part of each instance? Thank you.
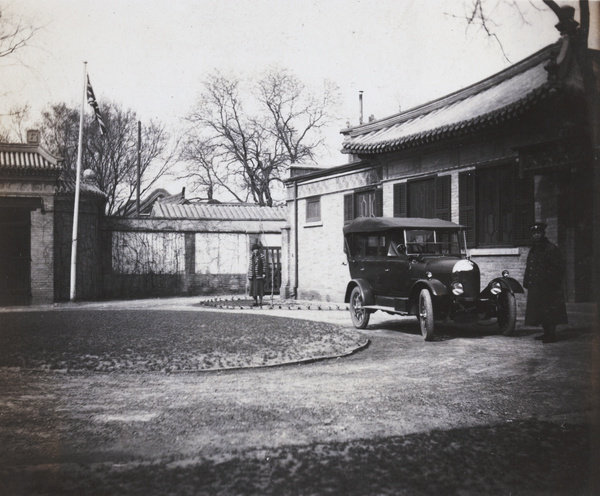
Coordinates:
(426, 315)
(360, 315)
(358, 309)
(423, 311)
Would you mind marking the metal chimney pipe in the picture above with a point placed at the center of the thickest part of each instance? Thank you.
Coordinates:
(360, 101)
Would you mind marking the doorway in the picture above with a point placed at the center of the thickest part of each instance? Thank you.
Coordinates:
(15, 256)
(273, 258)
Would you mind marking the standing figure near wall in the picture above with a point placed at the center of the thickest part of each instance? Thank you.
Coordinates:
(257, 274)
(543, 278)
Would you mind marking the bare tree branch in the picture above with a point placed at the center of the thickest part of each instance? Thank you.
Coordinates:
(113, 158)
(256, 147)
(16, 118)
(14, 34)
(478, 17)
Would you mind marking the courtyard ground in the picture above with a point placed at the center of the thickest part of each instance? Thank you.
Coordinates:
(133, 398)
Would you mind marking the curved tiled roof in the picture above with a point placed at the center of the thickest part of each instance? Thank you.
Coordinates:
(218, 211)
(493, 100)
(27, 159)
(159, 195)
(67, 187)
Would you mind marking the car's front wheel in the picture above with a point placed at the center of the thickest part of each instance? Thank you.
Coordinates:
(426, 315)
(507, 313)
(360, 315)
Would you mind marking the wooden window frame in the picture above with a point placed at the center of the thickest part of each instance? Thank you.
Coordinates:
(522, 205)
(443, 197)
(312, 201)
(350, 208)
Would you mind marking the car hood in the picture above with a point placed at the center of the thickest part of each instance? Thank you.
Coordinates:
(442, 265)
(447, 270)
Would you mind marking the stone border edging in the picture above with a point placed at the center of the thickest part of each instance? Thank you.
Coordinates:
(229, 304)
(360, 347)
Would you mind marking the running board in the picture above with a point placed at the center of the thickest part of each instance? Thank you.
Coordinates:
(385, 309)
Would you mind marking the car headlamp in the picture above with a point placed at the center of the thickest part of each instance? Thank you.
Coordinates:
(457, 288)
(496, 288)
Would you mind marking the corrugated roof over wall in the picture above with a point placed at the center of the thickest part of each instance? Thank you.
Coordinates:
(218, 211)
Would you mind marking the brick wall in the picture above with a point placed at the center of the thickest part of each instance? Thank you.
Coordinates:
(162, 257)
(491, 267)
(322, 273)
(42, 258)
(89, 261)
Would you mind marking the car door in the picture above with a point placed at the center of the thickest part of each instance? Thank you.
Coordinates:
(371, 266)
(355, 245)
(395, 273)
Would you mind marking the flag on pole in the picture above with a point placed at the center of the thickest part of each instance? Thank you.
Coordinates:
(94, 104)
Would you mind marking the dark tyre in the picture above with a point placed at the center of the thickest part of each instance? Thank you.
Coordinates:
(360, 315)
(507, 313)
(426, 315)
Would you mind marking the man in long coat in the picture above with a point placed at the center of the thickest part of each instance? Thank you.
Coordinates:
(543, 279)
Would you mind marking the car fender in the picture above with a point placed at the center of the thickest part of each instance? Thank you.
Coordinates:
(433, 285)
(436, 287)
(365, 289)
(507, 284)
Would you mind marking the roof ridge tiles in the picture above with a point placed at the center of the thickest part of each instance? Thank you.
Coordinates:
(25, 158)
(443, 102)
(367, 143)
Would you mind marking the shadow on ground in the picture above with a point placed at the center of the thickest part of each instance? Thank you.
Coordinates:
(449, 331)
(525, 457)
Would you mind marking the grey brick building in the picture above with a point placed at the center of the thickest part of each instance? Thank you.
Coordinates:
(495, 156)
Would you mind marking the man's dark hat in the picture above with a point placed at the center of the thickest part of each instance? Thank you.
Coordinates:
(255, 247)
(538, 226)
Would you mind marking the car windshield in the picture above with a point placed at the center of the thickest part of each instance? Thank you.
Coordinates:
(400, 243)
(432, 242)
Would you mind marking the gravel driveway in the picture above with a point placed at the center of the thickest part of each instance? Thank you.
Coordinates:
(472, 413)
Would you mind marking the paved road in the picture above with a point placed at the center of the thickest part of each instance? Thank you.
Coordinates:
(399, 386)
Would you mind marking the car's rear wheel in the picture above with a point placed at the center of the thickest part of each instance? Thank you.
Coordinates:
(426, 315)
(360, 315)
(507, 313)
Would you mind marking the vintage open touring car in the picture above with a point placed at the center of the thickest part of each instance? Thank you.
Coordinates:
(414, 266)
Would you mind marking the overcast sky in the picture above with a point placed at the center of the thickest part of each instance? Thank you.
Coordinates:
(152, 55)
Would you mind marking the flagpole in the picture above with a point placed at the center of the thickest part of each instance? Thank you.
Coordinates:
(77, 188)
